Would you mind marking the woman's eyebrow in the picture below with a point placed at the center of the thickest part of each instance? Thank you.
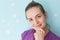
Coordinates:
(28, 18)
(38, 14)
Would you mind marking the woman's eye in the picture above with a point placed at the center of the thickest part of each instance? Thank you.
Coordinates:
(30, 19)
(39, 16)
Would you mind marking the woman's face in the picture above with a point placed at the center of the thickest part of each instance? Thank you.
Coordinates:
(36, 18)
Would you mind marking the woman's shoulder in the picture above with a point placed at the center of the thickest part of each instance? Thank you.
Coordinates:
(52, 36)
(28, 32)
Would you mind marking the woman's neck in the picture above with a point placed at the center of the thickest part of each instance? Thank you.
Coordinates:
(46, 30)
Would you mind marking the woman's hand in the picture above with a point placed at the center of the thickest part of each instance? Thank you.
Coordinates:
(39, 34)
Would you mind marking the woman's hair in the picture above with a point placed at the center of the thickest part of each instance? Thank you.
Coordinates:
(34, 4)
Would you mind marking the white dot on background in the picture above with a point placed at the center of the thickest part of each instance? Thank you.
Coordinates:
(0, 31)
(13, 4)
(17, 21)
(14, 15)
(3, 21)
(8, 24)
(55, 15)
(7, 32)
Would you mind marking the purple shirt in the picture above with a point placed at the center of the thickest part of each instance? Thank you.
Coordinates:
(28, 35)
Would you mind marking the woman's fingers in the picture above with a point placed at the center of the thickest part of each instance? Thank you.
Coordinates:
(39, 29)
(39, 35)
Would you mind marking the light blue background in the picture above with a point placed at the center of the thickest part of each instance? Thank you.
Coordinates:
(13, 21)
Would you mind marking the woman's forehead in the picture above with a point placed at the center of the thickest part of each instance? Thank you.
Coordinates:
(33, 12)
(33, 15)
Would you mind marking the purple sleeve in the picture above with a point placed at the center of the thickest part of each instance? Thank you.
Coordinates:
(24, 35)
(28, 35)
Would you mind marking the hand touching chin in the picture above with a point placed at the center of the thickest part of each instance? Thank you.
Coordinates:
(39, 34)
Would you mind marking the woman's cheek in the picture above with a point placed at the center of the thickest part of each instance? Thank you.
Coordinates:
(31, 23)
(33, 26)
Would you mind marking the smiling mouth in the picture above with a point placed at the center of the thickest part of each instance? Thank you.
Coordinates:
(39, 25)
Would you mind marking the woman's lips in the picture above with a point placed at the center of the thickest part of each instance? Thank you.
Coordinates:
(38, 25)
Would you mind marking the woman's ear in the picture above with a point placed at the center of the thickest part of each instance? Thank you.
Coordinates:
(45, 15)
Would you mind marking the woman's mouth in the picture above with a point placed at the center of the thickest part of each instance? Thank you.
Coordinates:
(38, 25)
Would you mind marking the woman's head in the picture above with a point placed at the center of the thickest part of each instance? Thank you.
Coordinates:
(36, 15)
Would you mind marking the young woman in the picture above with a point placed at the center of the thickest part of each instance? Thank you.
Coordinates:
(36, 16)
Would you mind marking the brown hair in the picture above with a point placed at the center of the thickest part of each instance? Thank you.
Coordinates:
(34, 4)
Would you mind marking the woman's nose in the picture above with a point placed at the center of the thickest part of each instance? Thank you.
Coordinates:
(36, 21)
